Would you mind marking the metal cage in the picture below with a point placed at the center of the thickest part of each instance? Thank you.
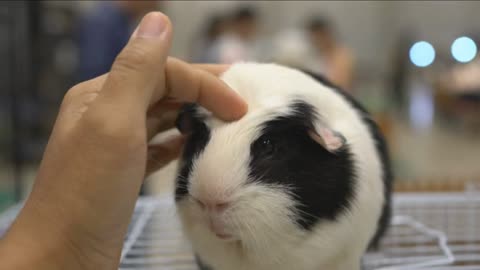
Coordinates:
(429, 231)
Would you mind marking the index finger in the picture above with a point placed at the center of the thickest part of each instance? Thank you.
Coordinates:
(191, 84)
(215, 69)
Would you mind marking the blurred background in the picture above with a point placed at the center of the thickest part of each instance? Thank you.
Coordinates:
(414, 65)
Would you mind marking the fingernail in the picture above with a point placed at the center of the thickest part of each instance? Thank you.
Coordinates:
(153, 25)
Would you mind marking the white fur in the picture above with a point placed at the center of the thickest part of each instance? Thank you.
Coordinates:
(261, 217)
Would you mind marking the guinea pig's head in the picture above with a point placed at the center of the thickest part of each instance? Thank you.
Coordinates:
(273, 176)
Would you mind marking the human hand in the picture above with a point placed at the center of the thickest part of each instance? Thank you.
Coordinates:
(78, 212)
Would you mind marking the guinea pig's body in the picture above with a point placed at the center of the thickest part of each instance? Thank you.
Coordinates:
(302, 181)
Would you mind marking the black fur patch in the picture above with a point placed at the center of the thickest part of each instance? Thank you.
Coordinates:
(321, 182)
(192, 125)
(383, 152)
(201, 264)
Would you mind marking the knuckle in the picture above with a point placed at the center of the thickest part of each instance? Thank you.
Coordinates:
(73, 93)
(132, 58)
(117, 134)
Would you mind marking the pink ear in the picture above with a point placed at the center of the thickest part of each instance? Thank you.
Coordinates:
(329, 139)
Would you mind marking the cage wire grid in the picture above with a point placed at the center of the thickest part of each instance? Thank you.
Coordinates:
(429, 231)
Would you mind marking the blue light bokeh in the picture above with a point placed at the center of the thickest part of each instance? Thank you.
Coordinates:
(422, 54)
(464, 49)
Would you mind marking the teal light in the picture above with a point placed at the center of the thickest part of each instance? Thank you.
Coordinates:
(464, 49)
(422, 54)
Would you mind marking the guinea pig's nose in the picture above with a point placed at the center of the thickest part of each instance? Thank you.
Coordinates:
(213, 205)
(220, 206)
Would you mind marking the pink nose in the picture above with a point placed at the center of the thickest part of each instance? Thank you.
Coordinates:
(212, 205)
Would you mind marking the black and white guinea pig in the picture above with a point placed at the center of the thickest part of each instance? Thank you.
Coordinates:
(302, 181)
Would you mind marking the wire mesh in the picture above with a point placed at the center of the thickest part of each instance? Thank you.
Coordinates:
(409, 244)
(429, 231)
(155, 240)
(455, 214)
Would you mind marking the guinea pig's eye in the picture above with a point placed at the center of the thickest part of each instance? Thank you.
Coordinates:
(266, 145)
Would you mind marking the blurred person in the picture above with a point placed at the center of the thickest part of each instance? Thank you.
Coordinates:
(240, 43)
(245, 23)
(202, 47)
(290, 47)
(400, 66)
(334, 59)
(104, 31)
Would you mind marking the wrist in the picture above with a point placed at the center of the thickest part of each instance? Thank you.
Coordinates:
(40, 241)
(27, 245)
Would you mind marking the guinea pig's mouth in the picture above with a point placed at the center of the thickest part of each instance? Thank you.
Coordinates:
(224, 236)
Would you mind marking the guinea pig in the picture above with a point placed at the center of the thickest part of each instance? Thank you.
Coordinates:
(302, 181)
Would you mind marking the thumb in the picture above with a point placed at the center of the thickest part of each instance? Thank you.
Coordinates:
(139, 68)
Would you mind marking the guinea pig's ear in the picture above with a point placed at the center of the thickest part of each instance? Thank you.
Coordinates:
(186, 119)
(330, 139)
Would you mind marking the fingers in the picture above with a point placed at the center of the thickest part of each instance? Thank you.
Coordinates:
(215, 69)
(190, 84)
(137, 70)
(163, 122)
(162, 117)
(141, 76)
(160, 155)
